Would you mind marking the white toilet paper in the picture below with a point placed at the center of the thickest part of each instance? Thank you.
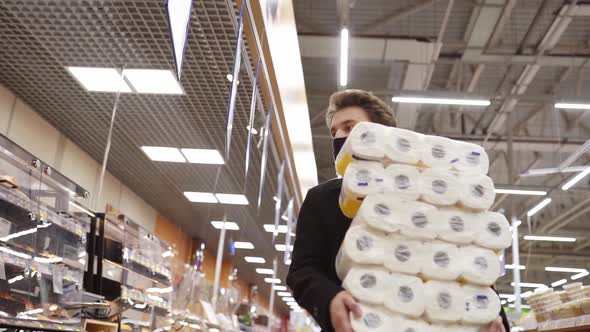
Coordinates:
(455, 225)
(477, 192)
(494, 231)
(361, 179)
(415, 218)
(482, 305)
(470, 158)
(444, 301)
(381, 212)
(404, 181)
(479, 266)
(405, 295)
(443, 261)
(374, 319)
(404, 255)
(439, 187)
(367, 284)
(403, 324)
(437, 152)
(402, 146)
(365, 141)
(361, 245)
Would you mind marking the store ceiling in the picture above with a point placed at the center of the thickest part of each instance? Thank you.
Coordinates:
(39, 39)
(541, 132)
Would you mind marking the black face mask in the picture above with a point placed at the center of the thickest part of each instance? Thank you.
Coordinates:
(337, 144)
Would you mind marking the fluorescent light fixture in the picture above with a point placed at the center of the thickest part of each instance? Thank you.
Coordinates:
(81, 209)
(282, 294)
(530, 285)
(572, 106)
(559, 283)
(156, 81)
(285, 218)
(288, 262)
(288, 299)
(279, 288)
(576, 179)
(243, 245)
(265, 271)
(162, 153)
(545, 171)
(292, 303)
(506, 296)
(511, 267)
(520, 192)
(160, 290)
(229, 77)
(254, 260)
(282, 247)
(15, 253)
(549, 238)
(522, 306)
(99, 79)
(503, 302)
(275, 198)
(200, 197)
(15, 279)
(271, 228)
(203, 156)
(229, 225)
(236, 199)
(580, 275)
(538, 207)
(253, 130)
(167, 253)
(564, 269)
(272, 280)
(50, 260)
(343, 57)
(526, 294)
(441, 101)
(18, 234)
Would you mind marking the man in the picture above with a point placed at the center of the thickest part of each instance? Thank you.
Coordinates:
(321, 226)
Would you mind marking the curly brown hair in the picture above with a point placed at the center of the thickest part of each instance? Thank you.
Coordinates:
(378, 111)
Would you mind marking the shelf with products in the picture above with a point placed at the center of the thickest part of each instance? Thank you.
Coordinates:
(42, 244)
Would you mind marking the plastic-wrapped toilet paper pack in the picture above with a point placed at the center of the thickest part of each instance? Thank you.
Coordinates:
(404, 255)
(404, 181)
(443, 261)
(379, 212)
(477, 191)
(440, 187)
(365, 142)
(367, 284)
(437, 152)
(361, 179)
(481, 305)
(470, 158)
(455, 225)
(373, 319)
(493, 231)
(415, 219)
(402, 146)
(479, 266)
(444, 301)
(404, 324)
(361, 245)
(405, 295)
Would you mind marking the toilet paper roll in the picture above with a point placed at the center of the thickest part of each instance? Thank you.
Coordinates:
(365, 142)
(367, 284)
(479, 266)
(482, 305)
(361, 179)
(470, 158)
(439, 187)
(444, 301)
(443, 261)
(477, 192)
(416, 219)
(404, 181)
(454, 225)
(404, 324)
(361, 245)
(404, 255)
(402, 146)
(494, 231)
(373, 319)
(405, 295)
(437, 152)
(380, 211)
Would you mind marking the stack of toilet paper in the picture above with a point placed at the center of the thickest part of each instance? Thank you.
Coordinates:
(422, 250)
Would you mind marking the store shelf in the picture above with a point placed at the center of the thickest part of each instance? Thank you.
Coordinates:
(581, 323)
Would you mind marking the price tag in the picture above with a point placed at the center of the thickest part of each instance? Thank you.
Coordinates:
(58, 286)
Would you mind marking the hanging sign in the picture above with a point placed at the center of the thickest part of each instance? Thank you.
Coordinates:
(251, 124)
(179, 15)
(264, 155)
(280, 186)
(234, 83)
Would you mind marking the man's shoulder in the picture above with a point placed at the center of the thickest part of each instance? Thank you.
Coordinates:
(324, 188)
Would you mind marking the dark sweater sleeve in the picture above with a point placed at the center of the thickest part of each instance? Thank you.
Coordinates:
(308, 276)
(504, 319)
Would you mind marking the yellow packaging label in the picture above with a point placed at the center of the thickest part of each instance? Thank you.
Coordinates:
(349, 206)
(342, 163)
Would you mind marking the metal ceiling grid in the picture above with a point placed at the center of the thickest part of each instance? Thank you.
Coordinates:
(33, 55)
